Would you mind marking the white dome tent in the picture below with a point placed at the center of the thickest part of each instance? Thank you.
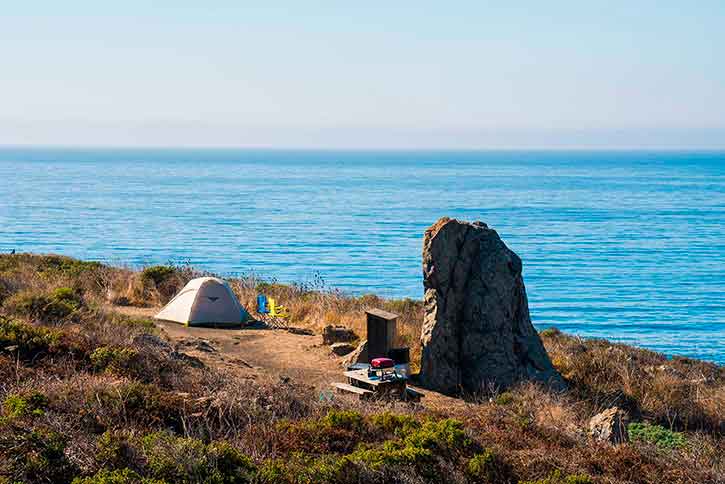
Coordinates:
(205, 301)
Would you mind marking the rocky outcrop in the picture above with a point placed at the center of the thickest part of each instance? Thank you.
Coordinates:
(342, 349)
(149, 343)
(152, 341)
(197, 344)
(610, 426)
(477, 332)
(360, 355)
(337, 334)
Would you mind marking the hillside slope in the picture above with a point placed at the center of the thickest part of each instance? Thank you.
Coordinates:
(95, 392)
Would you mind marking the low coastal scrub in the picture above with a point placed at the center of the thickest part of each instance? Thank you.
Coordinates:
(54, 308)
(678, 393)
(154, 285)
(90, 396)
(656, 435)
(557, 477)
(170, 458)
(158, 274)
(21, 405)
(27, 341)
(115, 360)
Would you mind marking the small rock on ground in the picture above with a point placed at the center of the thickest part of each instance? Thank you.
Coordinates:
(610, 426)
(199, 345)
(342, 349)
(188, 359)
(337, 334)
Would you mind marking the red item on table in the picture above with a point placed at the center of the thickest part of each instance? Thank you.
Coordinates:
(379, 363)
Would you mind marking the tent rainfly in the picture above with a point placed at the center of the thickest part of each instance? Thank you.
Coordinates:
(205, 301)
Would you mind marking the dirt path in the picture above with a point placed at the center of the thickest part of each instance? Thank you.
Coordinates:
(266, 354)
(273, 353)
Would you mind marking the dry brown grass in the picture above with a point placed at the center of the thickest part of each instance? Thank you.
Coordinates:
(678, 393)
(532, 433)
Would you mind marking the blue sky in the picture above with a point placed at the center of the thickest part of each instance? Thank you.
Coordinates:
(454, 74)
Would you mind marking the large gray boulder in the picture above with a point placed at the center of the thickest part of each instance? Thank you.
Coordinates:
(477, 333)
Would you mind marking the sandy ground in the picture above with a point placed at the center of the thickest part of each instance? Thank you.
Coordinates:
(266, 354)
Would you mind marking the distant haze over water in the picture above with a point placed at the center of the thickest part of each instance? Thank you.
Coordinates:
(624, 245)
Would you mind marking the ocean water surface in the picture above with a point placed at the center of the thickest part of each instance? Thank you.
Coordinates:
(624, 245)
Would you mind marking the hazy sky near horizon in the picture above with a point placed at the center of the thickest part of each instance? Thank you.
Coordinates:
(295, 73)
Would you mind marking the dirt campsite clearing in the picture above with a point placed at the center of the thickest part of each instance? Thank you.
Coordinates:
(264, 354)
(255, 353)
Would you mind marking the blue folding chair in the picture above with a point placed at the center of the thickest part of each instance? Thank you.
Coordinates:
(262, 307)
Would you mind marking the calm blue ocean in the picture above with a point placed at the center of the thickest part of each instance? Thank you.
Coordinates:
(623, 245)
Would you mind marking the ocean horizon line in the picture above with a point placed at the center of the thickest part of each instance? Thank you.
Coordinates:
(362, 149)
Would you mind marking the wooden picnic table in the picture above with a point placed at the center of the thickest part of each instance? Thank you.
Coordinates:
(360, 384)
(360, 379)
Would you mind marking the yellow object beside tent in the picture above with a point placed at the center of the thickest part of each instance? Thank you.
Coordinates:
(277, 311)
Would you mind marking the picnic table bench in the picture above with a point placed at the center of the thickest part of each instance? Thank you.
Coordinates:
(359, 383)
(360, 392)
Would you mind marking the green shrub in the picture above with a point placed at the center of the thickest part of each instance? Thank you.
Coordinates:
(443, 436)
(66, 266)
(66, 294)
(174, 458)
(144, 403)
(393, 453)
(418, 444)
(136, 323)
(337, 431)
(188, 460)
(20, 405)
(28, 340)
(275, 471)
(415, 444)
(27, 303)
(118, 476)
(343, 419)
(522, 420)
(139, 396)
(113, 359)
(118, 449)
(302, 468)
(35, 456)
(557, 477)
(110, 448)
(487, 467)
(231, 464)
(394, 423)
(656, 435)
(50, 308)
(505, 398)
(157, 274)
